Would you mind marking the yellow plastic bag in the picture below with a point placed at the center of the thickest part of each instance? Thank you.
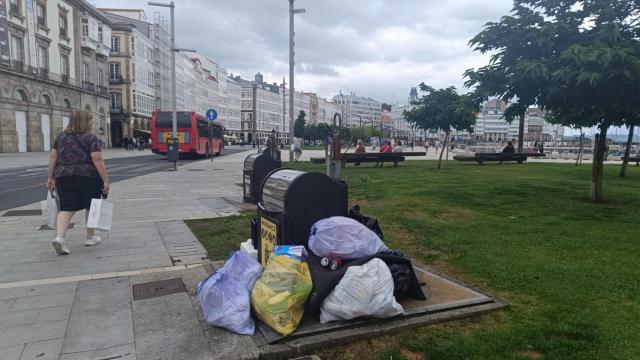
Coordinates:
(279, 296)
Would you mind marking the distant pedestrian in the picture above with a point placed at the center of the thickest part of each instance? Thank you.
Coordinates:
(509, 149)
(541, 147)
(296, 147)
(125, 143)
(398, 148)
(360, 149)
(78, 174)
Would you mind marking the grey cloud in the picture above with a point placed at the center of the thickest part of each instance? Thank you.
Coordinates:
(399, 42)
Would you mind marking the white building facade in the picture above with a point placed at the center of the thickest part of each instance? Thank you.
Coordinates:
(367, 110)
(53, 56)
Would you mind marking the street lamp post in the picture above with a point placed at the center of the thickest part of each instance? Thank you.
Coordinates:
(292, 90)
(171, 7)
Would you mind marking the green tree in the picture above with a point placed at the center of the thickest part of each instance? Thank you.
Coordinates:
(299, 125)
(516, 72)
(580, 60)
(627, 152)
(442, 109)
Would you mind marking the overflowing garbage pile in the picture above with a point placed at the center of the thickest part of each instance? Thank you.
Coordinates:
(347, 272)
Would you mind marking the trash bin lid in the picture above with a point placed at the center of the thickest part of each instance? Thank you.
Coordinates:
(275, 188)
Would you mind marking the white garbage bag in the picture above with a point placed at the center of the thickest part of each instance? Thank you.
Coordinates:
(343, 238)
(50, 210)
(365, 290)
(225, 296)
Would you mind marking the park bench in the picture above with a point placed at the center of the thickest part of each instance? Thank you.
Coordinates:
(481, 158)
(635, 159)
(395, 158)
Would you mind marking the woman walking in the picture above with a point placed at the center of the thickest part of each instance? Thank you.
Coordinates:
(77, 172)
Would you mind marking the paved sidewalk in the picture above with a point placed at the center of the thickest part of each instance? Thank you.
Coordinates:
(28, 159)
(80, 306)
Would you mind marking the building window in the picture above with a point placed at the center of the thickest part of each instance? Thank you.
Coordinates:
(100, 37)
(114, 71)
(17, 49)
(41, 14)
(115, 44)
(115, 101)
(86, 73)
(15, 7)
(21, 95)
(62, 22)
(67, 103)
(64, 65)
(45, 99)
(43, 58)
(100, 76)
(85, 27)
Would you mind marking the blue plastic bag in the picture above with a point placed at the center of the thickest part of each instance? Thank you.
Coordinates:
(225, 296)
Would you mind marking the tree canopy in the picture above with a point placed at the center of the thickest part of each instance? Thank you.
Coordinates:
(442, 109)
(299, 125)
(579, 60)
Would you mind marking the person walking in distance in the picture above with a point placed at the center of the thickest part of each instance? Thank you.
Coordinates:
(78, 173)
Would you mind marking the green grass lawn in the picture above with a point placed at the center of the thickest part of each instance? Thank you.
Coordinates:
(569, 268)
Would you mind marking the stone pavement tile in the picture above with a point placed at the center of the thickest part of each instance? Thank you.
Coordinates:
(6, 304)
(35, 332)
(167, 327)
(122, 352)
(43, 301)
(105, 300)
(54, 313)
(18, 318)
(42, 350)
(93, 332)
(12, 352)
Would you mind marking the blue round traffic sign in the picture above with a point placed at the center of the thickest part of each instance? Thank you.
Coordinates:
(212, 114)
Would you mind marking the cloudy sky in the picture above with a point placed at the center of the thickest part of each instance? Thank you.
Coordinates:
(375, 48)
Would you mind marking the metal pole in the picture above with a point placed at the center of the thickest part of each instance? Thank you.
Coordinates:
(291, 80)
(284, 108)
(173, 84)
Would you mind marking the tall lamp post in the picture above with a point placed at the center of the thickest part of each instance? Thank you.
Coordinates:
(171, 7)
(292, 90)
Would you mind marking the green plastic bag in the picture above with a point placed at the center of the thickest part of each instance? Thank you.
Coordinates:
(279, 296)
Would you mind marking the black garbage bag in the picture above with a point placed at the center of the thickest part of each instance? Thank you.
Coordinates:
(405, 282)
(371, 223)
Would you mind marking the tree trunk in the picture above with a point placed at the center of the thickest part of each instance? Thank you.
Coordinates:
(521, 132)
(597, 189)
(625, 161)
(579, 158)
(446, 140)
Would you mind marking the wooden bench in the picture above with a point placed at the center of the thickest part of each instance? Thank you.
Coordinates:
(372, 157)
(635, 159)
(481, 158)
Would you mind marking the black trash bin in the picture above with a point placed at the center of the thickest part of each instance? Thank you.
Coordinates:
(256, 169)
(291, 202)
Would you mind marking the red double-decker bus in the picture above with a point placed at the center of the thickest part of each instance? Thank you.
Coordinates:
(196, 134)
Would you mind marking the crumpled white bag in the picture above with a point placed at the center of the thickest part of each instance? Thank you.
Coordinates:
(50, 210)
(365, 290)
(343, 238)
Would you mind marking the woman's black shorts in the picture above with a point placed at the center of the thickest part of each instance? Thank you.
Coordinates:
(75, 192)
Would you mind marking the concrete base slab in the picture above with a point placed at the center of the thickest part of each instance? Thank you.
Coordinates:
(167, 327)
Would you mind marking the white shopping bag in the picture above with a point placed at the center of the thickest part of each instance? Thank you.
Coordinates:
(50, 210)
(100, 215)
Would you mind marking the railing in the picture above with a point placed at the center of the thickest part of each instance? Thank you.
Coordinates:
(18, 66)
(65, 78)
(116, 109)
(102, 90)
(43, 73)
(115, 80)
(63, 33)
(88, 86)
(41, 21)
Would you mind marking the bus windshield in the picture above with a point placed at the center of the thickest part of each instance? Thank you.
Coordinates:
(164, 119)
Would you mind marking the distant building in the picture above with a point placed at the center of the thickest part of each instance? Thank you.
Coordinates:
(359, 110)
(53, 59)
(261, 110)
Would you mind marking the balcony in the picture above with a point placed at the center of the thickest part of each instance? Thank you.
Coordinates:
(65, 79)
(87, 42)
(18, 66)
(103, 50)
(115, 80)
(89, 86)
(43, 73)
(102, 90)
(116, 109)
